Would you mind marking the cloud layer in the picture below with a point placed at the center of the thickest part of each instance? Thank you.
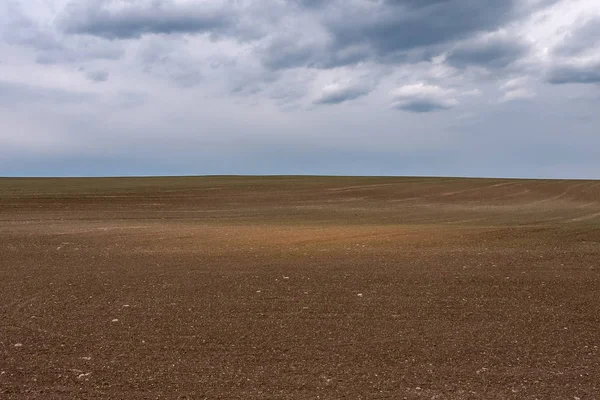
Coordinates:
(183, 81)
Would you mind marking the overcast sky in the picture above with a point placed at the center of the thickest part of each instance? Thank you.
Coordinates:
(351, 87)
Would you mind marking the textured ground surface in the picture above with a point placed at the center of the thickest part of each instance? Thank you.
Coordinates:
(299, 288)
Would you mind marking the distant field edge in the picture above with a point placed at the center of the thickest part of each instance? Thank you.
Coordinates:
(296, 176)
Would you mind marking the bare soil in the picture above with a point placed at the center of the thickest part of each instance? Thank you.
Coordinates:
(299, 288)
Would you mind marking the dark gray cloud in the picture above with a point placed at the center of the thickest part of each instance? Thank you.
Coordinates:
(421, 106)
(416, 3)
(311, 3)
(286, 53)
(395, 28)
(132, 20)
(388, 31)
(574, 73)
(495, 51)
(397, 31)
(580, 39)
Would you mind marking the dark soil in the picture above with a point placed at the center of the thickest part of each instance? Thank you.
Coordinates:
(299, 288)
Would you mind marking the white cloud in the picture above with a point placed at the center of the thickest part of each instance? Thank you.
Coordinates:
(422, 98)
(517, 94)
(514, 83)
(336, 93)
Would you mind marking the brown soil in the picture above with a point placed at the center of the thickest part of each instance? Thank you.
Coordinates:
(299, 288)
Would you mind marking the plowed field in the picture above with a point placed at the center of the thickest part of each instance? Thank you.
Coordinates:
(299, 288)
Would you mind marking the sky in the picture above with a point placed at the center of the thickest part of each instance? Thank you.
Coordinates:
(489, 88)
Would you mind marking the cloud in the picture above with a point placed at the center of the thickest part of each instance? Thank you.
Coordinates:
(574, 59)
(97, 76)
(395, 28)
(517, 94)
(488, 51)
(313, 52)
(82, 50)
(292, 52)
(318, 34)
(337, 33)
(337, 93)
(421, 98)
(516, 89)
(114, 19)
(574, 72)
(310, 3)
(17, 28)
(340, 33)
(514, 83)
(50, 48)
(404, 32)
(580, 39)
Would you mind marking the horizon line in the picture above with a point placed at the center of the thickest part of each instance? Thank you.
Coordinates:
(292, 176)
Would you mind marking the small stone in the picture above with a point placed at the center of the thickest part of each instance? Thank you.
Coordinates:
(18, 344)
(115, 320)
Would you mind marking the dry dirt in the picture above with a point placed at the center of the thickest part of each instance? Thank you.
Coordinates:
(299, 288)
